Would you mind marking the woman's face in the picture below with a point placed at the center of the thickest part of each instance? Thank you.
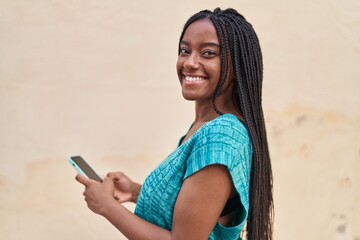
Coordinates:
(198, 65)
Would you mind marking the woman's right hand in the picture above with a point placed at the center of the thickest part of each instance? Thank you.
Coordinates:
(125, 189)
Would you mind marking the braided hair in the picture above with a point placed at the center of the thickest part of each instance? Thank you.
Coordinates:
(241, 54)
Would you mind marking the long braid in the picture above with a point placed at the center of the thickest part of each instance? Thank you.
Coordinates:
(240, 47)
(225, 52)
(261, 179)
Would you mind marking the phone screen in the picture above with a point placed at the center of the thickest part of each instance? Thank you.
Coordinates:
(84, 168)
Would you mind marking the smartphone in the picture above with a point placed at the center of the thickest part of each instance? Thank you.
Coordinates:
(84, 168)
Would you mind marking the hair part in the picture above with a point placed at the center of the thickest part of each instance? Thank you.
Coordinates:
(240, 47)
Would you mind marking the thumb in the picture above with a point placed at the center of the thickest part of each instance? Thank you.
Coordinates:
(82, 179)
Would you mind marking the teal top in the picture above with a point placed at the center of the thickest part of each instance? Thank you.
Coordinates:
(225, 141)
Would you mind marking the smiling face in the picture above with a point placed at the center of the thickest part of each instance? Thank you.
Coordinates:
(198, 65)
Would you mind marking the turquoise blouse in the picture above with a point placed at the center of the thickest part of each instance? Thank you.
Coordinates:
(224, 140)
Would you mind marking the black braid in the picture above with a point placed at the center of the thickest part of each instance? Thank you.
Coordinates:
(224, 64)
(240, 47)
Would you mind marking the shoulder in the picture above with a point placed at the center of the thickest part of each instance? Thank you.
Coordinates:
(225, 128)
(225, 141)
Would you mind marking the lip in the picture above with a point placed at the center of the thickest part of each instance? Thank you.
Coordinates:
(192, 80)
(193, 75)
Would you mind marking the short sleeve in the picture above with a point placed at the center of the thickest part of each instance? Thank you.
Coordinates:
(213, 146)
(226, 143)
(222, 142)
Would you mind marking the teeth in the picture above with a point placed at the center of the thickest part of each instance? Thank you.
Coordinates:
(193, 79)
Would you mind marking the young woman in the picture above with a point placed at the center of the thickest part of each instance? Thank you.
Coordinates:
(219, 177)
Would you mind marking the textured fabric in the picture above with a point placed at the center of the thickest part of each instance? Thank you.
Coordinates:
(224, 141)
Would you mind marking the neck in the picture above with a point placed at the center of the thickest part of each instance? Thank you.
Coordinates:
(204, 111)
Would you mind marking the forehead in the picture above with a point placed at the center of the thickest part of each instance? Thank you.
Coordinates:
(201, 30)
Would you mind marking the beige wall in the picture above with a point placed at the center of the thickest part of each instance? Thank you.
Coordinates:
(97, 78)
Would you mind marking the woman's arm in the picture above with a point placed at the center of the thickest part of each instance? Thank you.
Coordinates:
(126, 190)
(132, 226)
(201, 199)
(99, 198)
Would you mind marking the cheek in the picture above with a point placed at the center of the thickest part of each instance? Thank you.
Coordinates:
(218, 67)
(216, 70)
(179, 68)
(215, 65)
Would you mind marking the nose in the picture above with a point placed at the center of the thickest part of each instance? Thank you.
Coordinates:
(191, 62)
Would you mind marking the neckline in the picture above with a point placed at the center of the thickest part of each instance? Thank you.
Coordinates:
(204, 125)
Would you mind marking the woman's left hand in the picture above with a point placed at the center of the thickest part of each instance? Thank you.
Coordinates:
(98, 196)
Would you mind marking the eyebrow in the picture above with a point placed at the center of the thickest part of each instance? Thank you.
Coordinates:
(205, 44)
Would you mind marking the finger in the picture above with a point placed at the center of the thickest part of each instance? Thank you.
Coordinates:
(116, 180)
(83, 180)
(108, 181)
(115, 175)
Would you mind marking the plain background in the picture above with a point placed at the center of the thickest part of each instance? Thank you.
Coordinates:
(97, 78)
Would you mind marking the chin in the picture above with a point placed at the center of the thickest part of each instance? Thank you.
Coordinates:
(189, 98)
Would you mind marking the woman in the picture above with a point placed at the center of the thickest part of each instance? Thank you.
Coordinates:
(219, 177)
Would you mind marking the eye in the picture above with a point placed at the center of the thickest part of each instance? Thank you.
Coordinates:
(183, 51)
(208, 53)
